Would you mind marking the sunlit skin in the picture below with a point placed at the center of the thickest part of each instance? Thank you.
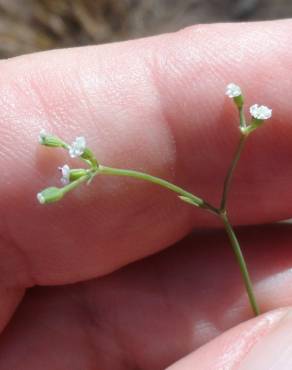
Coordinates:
(156, 105)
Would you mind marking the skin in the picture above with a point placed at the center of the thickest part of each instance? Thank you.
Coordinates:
(155, 105)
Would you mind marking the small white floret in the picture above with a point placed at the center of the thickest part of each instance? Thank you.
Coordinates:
(41, 198)
(232, 90)
(42, 136)
(77, 148)
(65, 170)
(260, 112)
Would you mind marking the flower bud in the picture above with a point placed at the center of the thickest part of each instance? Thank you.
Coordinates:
(259, 114)
(234, 92)
(50, 140)
(76, 173)
(50, 195)
(77, 148)
(89, 156)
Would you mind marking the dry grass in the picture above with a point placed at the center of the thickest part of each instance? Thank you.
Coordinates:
(30, 25)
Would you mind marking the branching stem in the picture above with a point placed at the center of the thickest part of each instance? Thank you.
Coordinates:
(228, 178)
(220, 212)
(242, 264)
(199, 202)
(53, 194)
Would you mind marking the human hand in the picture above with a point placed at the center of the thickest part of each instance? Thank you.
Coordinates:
(155, 105)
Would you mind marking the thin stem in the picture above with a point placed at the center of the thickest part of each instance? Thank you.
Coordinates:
(228, 178)
(74, 184)
(195, 200)
(242, 121)
(242, 264)
(156, 180)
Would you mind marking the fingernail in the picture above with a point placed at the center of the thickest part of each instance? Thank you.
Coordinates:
(274, 350)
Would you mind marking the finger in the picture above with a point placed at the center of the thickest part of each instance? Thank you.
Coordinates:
(155, 105)
(153, 312)
(260, 343)
(10, 299)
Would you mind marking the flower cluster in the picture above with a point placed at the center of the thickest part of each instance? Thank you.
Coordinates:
(259, 113)
(70, 178)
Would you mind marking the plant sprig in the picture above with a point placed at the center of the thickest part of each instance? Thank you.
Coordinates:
(72, 178)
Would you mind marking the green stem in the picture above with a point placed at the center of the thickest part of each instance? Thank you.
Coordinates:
(242, 264)
(156, 180)
(228, 178)
(74, 184)
(194, 200)
(242, 121)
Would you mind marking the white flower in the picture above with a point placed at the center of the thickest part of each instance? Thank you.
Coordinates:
(65, 170)
(260, 112)
(76, 149)
(232, 90)
(41, 198)
(42, 136)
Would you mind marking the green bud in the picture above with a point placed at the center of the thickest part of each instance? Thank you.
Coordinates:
(89, 156)
(50, 195)
(75, 174)
(51, 141)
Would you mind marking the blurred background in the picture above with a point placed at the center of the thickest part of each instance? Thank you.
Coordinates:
(32, 25)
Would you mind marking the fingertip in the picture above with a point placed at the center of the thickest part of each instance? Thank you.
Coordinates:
(232, 348)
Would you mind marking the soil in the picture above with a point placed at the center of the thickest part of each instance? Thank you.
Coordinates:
(32, 25)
